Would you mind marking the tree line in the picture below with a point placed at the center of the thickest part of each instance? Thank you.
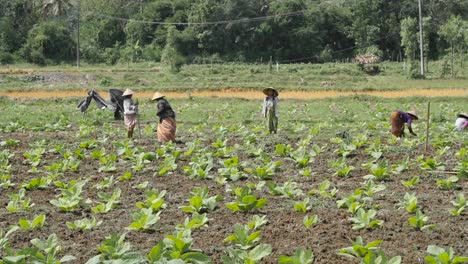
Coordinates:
(200, 31)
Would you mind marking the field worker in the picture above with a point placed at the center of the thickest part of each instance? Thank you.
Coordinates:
(130, 112)
(462, 121)
(398, 120)
(270, 109)
(167, 123)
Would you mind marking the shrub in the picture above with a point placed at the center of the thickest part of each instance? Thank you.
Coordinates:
(6, 58)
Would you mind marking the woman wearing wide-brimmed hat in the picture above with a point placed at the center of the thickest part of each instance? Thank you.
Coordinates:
(130, 112)
(462, 121)
(398, 120)
(167, 123)
(270, 109)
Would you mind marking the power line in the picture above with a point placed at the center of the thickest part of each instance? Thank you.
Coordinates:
(235, 21)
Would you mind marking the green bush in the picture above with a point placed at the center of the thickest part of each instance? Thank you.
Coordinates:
(48, 41)
(6, 58)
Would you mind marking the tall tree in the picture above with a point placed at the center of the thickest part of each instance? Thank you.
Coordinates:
(56, 8)
(454, 31)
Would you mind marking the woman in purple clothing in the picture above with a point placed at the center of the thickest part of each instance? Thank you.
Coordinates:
(398, 120)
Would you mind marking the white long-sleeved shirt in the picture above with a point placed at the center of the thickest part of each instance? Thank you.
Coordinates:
(270, 103)
(129, 107)
(461, 123)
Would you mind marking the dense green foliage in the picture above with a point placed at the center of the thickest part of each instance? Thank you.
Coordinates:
(46, 31)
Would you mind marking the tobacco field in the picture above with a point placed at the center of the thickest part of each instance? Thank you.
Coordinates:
(332, 186)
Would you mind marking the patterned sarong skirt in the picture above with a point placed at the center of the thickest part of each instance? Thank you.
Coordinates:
(130, 121)
(398, 126)
(272, 121)
(166, 130)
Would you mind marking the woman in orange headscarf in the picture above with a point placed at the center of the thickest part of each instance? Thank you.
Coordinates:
(167, 123)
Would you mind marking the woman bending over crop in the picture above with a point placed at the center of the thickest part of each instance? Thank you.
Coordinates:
(270, 109)
(462, 121)
(398, 120)
(130, 112)
(167, 123)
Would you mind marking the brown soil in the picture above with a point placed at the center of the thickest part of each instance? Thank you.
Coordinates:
(249, 94)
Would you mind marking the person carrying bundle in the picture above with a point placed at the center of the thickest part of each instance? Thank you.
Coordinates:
(270, 109)
(130, 112)
(398, 120)
(167, 124)
(462, 121)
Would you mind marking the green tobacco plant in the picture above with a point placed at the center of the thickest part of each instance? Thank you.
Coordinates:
(353, 202)
(236, 256)
(438, 255)
(379, 171)
(177, 248)
(243, 237)
(419, 221)
(409, 202)
(232, 170)
(197, 221)
(114, 249)
(369, 188)
(431, 164)
(342, 169)
(109, 202)
(84, 224)
(201, 202)
(301, 256)
(365, 219)
(105, 183)
(460, 204)
(448, 184)
(257, 222)
(34, 156)
(283, 150)
(409, 184)
(4, 236)
(70, 198)
(301, 157)
(324, 190)
(167, 166)
(289, 189)
(245, 201)
(5, 181)
(308, 222)
(359, 249)
(107, 163)
(19, 202)
(38, 183)
(47, 251)
(303, 206)
(265, 172)
(36, 222)
(154, 200)
(200, 166)
(143, 219)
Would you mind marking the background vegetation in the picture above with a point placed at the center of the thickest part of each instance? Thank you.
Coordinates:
(207, 31)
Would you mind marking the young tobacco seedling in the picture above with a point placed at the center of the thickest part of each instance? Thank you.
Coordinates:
(4, 236)
(50, 249)
(197, 221)
(438, 255)
(200, 202)
(409, 202)
(154, 200)
(289, 189)
(110, 202)
(353, 202)
(236, 256)
(448, 184)
(19, 202)
(144, 219)
(364, 219)
(419, 221)
(243, 238)
(324, 191)
(303, 206)
(245, 201)
(300, 256)
(359, 249)
(257, 222)
(308, 222)
(84, 224)
(460, 203)
(409, 184)
(37, 222)
(115, 249)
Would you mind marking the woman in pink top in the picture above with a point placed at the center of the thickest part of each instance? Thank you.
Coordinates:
(462, 121)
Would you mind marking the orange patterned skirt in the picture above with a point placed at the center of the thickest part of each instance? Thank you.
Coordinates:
(398, 126)
(166, 130)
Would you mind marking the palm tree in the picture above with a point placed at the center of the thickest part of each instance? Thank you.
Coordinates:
(56, 7)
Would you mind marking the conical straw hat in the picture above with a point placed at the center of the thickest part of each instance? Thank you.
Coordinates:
(266, 90)
(414, 114)
(463, 115)
(128, 92)
(157, 95)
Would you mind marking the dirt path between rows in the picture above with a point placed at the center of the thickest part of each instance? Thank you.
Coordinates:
(250, 94)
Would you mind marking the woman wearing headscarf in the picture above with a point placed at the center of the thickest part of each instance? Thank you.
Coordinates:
(398, 119)
(462, 121)
(167, 123)
(270, 109)
(130, 112)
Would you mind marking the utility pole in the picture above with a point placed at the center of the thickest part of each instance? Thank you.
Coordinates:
(78, 38)
(421, 39)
